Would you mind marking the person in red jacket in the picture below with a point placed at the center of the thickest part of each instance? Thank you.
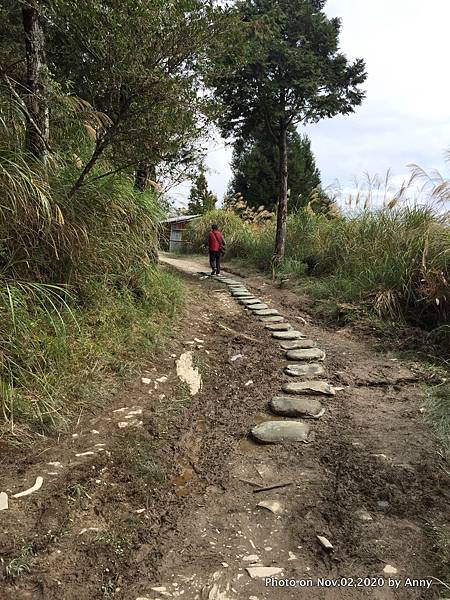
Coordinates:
(216, 246)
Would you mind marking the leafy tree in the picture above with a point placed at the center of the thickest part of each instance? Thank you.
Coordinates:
(133, 68)
(255, 170)
(285, 69)
(201, 199)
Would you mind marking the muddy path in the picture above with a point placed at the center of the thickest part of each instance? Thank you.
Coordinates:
(157, 495)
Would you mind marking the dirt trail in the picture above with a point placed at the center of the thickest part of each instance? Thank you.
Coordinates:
(168, 507)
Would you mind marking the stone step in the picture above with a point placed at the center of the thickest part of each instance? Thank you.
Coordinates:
(272, 432)
(298, 344)
(276, 319)
(297, 407)
(267, 312)
(279, 326)
(288, 335)
(305, 370)
(305, 354)
(242, 295)
(249, 301)
(258, 306)
(308, 387)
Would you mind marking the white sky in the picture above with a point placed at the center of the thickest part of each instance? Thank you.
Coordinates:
(405, 117)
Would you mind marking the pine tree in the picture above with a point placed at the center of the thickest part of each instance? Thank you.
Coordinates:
(255, 170)
(201, 199)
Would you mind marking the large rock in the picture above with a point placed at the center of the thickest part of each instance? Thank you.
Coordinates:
(276, 319)
(266, 312)
(304, 370)
(297, 344)
(297, 407)
(306, 354)
(272, 432)
(308, 388)
(258, 306)
(279, 326)
(288, 335)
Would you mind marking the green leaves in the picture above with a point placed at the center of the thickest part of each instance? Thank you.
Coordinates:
(290, 68)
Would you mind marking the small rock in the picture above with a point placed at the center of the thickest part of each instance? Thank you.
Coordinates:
(325, 543)
(3, 501)
(390, 570)
(298, 344)
(279, 326)
(383, 504)
(249, 382)
(292, 556)
(308, 387)
(199, 341)
(256, 572)
(297, 407)
(272, 432)
(251, 558)
(308, 370)
(145, 381)
(273, 505)
(56, 463)
(307, 354)
(236, 356)
(95, 432)
(363, 515)
(163, 379)
(287, 335)
(224, 564)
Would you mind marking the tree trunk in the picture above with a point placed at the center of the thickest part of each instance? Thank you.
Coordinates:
(280, 241)
(37, 132)
(141, 177)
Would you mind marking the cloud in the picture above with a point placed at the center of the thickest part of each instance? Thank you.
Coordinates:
(405, 116)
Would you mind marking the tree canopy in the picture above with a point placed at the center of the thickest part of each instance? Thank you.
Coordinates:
(201, 199)
(285, 69)
(255, 170)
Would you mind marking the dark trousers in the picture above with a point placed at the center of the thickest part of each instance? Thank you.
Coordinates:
(214, 261)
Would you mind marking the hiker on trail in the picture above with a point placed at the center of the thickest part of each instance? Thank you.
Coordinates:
(216, 246)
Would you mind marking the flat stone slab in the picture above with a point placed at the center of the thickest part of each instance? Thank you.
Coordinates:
(239, 295)
(272, 432)
(240, 291)
(305, 370)
(259, 306)
(3, 501)
(308, 388)
(306, 354)
(249, 301)
(277, 319)
(288, 335)
(266, 312)
(279, 326)
(297, 407)
(298, 344)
